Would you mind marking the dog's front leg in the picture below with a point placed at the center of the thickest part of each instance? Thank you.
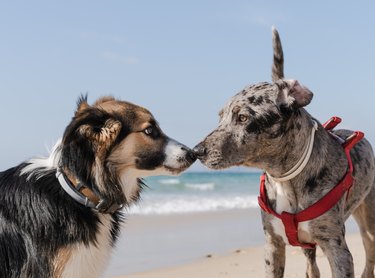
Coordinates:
(274, 256)
(338, 255)
(312, 270)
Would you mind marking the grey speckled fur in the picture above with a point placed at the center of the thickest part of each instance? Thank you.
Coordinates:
(266, 126)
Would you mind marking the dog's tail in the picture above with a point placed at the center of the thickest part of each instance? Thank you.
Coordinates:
(278, 56)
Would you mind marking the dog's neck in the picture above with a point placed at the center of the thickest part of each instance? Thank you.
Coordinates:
(326, 151)
(292, 146)
(82, 194)
(302, 162)
(68, 180)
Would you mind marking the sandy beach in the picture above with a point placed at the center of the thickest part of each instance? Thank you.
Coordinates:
(249, 263)
(214, 244)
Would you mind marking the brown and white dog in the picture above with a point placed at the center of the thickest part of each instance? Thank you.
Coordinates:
(266, 126)
(60, 216)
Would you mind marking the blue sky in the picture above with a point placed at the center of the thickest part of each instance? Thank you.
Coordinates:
(181, 60)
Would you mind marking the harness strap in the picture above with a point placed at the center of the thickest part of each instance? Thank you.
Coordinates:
(291, 220)
(331, 123)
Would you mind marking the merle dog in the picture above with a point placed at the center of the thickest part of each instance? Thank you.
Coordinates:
(266, 126)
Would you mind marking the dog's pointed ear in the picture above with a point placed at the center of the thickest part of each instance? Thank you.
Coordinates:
(292, 94)
(278, 57)
(82, 104)
(102, 134)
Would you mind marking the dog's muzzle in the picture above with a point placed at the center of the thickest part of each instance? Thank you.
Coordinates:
(200, 151)
(190, 155)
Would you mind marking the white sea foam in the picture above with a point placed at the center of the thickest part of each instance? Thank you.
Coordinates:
(201, 186)
(198, 192)
(193, 204)
(169, 181)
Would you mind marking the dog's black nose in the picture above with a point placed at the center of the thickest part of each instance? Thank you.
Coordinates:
(200, 150)
(190, 155)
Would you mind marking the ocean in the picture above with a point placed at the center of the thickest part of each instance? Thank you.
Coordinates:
(194, 192)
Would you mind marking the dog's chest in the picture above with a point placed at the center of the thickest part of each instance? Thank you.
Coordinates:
(284, 199)
(91, 260)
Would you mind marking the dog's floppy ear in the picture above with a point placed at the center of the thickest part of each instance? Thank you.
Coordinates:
(101, 133)
(99, 127)
(278, 57)
(292, 94)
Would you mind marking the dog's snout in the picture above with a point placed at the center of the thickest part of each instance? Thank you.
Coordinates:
(200, 151)
(190, 154)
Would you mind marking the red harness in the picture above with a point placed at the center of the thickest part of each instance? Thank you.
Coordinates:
(291, 220)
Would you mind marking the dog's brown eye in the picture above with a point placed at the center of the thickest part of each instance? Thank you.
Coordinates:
(242, 118)
(148, 131)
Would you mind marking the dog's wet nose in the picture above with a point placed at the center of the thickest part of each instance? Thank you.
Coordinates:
(200, 150)
(190, 154)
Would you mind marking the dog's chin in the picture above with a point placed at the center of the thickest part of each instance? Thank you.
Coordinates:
(174, 171)
(215, 164)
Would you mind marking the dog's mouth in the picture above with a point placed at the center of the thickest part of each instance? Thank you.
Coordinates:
(216, 164)
(214, 159)
(182, 165)
(210, 158)
(176, 171)
(178, 158)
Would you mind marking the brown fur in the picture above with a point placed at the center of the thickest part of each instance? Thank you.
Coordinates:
(61, 259)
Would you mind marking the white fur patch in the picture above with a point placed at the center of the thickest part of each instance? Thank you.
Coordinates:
(38, 166)
(91, 260)
(282, 204)
(129, 180)
(174, 154)
(129, 183)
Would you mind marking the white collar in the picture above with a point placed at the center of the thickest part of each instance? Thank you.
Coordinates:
(302, 162)
(74, 192)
